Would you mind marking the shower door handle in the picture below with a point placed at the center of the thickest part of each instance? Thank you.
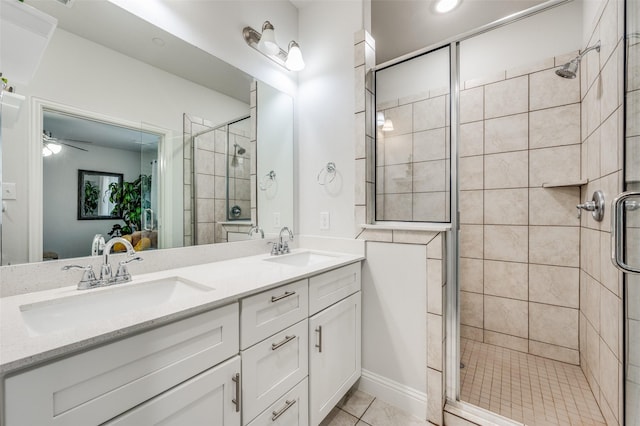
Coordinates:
(619, 207)
(145, 221)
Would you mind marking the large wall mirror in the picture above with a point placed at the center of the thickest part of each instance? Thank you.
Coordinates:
(178, 124)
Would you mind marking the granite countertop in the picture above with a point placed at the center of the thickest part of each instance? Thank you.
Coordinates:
(21, 346)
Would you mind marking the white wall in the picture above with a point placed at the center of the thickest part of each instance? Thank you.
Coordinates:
(326, 114)
(394, 317)
(524, 42)
(63, 233)
(216, 27)
(88, 76)
(427, 72)
(275, 153)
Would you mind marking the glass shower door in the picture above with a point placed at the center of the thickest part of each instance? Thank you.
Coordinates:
(627, 214)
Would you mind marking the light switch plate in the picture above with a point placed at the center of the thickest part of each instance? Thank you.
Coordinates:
(324, 221)
(276, 220)
(8, 191)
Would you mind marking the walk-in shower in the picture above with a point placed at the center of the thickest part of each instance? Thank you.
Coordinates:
(570, 69)
(220, 169)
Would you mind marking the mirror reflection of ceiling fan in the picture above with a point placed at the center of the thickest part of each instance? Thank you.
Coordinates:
(51, 145)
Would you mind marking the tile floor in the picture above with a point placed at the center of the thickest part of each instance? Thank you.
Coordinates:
(362, 409)
(526, 388)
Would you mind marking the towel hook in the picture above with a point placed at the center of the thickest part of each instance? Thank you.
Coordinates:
(267, 180)
(328, 171)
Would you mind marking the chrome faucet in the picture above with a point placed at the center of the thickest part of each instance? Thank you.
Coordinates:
(256, 229)
(282, 247)
(106, 278)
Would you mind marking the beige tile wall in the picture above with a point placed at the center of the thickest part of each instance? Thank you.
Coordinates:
(601, 308)
(412, 161)
(519, 241)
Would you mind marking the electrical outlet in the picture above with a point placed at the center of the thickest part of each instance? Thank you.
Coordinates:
(276, 220)
(324, 221)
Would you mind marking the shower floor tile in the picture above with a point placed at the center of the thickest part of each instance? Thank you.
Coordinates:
(529, 389)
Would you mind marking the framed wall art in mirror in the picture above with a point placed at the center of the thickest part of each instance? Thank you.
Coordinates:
(94, 195)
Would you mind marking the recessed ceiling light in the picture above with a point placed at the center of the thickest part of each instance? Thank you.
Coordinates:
(444, 6)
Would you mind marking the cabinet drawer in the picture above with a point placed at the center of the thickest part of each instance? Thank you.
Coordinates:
(290, 410)
(272, 367)
(205, 400)
(99, 384)
(333, 286)
(267, 313)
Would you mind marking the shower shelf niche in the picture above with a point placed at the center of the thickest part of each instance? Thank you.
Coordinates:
(560, 184)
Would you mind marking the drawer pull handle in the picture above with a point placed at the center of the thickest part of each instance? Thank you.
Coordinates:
(276, 414)
(282, 296)
(286, 340)
(319, 331)
(236, 400)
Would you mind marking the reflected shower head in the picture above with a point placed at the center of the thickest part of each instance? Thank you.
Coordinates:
(240, 150)
(570, 69)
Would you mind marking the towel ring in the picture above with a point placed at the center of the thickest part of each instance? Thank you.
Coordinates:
(267, 180)
(328, 171)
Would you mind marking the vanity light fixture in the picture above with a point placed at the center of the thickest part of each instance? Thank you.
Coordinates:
(444, 6)
(385, 123)
(266, 44)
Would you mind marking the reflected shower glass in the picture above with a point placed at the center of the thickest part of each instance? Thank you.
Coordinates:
(412, 180)
(238, 169)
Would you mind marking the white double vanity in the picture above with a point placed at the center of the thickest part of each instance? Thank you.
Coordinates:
(257, 340)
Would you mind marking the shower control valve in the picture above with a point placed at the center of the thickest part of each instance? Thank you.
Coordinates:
(595, 206)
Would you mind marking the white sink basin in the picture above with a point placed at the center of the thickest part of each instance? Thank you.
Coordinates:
(98, 305)
(304, 258)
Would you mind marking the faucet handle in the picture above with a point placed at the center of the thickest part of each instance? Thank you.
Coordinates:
(88, 277)
(123, 272)
(275, 249)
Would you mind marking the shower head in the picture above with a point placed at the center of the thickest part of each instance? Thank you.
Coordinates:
(570, 69)
(240, 150)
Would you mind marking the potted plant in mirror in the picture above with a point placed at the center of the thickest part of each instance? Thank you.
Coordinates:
(128, 201)
(91, 197)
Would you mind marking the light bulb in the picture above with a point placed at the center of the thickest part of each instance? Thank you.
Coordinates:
(46, 151)
(388, 125)
(54, 147)
(444, 6)
(267, 43)
(294, 57)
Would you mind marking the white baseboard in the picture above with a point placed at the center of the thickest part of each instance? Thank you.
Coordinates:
(407, 399)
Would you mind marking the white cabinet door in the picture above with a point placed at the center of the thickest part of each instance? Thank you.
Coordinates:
(334, 355)
(290, 410)
(273, 367)
(209, 399)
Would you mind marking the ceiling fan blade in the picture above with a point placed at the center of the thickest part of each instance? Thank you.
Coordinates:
(69, 145)
(76, 141)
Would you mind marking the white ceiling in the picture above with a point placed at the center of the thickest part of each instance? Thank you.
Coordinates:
(403, 26)
(111, 26)
(84, 133)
